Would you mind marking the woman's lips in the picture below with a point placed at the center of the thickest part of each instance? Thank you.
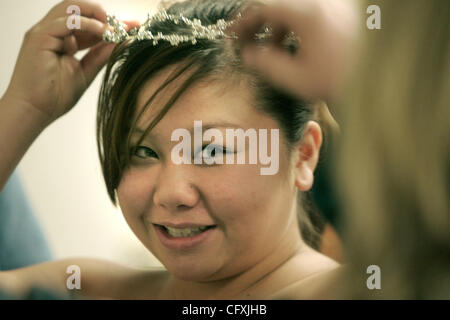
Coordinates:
(182, 225)
(183, 243)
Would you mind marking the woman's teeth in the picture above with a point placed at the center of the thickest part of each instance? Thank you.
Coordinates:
(185, 232)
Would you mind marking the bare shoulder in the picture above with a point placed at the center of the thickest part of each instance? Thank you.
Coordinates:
(99, 279)
(323, 285)
(320, 275)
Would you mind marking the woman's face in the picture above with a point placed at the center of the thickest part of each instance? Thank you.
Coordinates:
(251, 213)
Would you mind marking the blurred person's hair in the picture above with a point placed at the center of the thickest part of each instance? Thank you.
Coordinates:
(393, 163)
(132, 64)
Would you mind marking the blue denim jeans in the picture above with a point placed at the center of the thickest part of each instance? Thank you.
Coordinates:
(22, 242)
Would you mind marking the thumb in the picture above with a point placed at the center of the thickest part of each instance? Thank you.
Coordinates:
(130, 24)
(276, 65)
(95, 59)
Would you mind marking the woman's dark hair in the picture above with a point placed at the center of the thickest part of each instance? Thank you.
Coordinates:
(134, 62)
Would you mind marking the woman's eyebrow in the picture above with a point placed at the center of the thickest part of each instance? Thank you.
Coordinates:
(223, 124)
(139, 132)
(205, 126)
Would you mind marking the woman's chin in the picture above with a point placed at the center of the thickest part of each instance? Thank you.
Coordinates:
(191, 272)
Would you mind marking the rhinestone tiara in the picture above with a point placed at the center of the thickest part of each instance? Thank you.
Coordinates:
(197, 31)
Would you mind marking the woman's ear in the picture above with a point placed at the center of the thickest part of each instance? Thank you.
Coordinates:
(307, 156)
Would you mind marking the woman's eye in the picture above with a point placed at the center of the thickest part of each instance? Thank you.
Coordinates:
(144, 152)
(213, 150)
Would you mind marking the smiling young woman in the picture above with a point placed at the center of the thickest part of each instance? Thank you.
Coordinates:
(220, 230)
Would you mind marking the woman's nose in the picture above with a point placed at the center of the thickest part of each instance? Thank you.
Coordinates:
(174, 189)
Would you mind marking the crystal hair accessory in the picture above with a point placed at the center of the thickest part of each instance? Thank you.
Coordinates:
(197, 31)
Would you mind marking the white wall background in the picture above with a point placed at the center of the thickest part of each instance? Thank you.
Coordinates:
(61, 171)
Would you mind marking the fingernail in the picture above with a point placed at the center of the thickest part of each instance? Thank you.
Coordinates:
(247, 55)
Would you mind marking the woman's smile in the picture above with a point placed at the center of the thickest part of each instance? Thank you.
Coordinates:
(184, 238)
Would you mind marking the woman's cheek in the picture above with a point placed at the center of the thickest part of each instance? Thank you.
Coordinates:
(133, 191)
(237, 191)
